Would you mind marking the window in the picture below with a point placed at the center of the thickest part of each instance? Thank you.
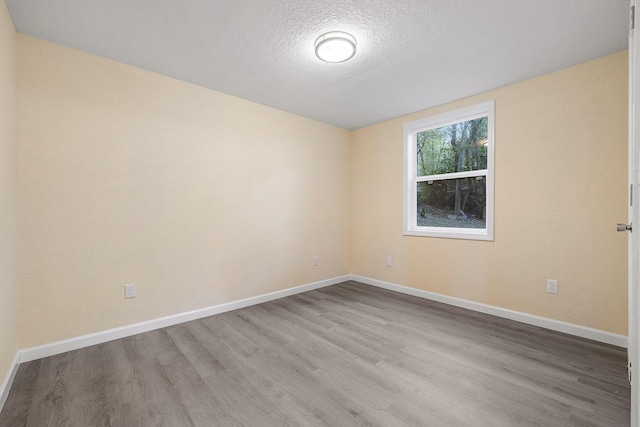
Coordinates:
(448, 185)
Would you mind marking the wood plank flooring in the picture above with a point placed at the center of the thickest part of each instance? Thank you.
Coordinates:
(346, 355)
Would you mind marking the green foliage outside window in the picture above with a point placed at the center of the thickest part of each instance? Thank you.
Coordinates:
(459, 147)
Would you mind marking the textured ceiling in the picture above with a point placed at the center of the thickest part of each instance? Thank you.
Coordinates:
(412, 54)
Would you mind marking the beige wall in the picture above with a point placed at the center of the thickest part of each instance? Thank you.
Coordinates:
(561, 180)
(202, 198)
(8, 275)
(198, 197)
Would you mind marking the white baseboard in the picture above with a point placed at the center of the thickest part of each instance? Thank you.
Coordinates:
(8, 380)
(54, 348)
(554, 325)
(33, 353)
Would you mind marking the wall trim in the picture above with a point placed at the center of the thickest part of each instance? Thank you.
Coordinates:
(8, 380)
(51, 349)
(33, 353)
(530, 319)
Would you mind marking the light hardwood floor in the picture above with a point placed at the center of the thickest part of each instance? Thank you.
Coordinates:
(346, 355)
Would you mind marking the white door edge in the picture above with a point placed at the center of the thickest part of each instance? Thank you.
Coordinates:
(633, 218)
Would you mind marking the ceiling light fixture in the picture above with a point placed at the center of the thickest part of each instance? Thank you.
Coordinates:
(335, 46)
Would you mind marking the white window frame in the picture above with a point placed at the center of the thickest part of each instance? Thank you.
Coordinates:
(410, 188)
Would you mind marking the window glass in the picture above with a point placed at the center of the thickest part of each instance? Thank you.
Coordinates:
(437, 203)
(458, 147)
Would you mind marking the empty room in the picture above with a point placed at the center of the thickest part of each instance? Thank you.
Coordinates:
(302, 213)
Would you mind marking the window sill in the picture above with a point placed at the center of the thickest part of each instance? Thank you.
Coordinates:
(451, 233)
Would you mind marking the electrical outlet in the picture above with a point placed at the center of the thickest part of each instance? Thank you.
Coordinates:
(389, 261)
(130, 290)
(552, 286)
(315, 260)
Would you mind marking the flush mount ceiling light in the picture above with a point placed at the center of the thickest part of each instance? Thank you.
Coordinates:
(335, 46)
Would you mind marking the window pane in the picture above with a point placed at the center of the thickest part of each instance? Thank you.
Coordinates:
(457, 203)
(459, 147)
